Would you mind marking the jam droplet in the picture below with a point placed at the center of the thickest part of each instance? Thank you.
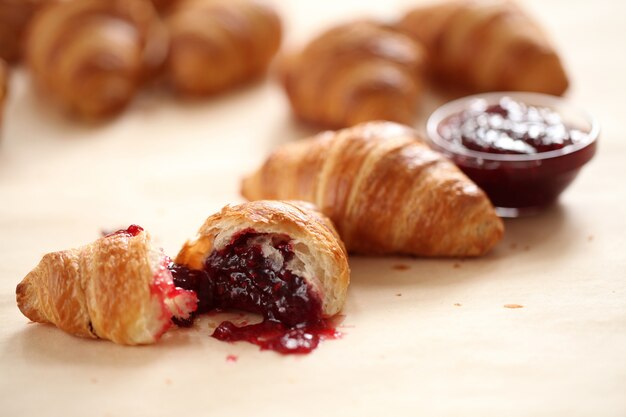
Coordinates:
(132, 230)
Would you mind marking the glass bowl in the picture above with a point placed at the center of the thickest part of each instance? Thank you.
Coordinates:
(519, 184)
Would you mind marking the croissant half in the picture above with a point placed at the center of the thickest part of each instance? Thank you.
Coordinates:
(486, 45)
(385, 190)
(353, 73)
(91, 56)
(281, 259)
(216, 44)
(117, 288)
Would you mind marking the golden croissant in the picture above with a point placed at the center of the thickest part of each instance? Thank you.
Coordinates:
(117, 288)
(216, 44)
(91, 56)
(355, 72)
(385, 190)
(486, 45)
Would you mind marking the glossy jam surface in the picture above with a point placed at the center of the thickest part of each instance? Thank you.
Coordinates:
(251, 274)
(509, 127)
(520, 175)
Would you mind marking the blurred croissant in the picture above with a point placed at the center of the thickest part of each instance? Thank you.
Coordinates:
(91, 56)
(486, 45)
(14, 18)
(4, 81)
(353, 73)
(384, 189)
(117, 288)
(216, 44)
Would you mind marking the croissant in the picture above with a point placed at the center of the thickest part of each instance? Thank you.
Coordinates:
(14, 18)
(353, 73)
(216, 44)
(288, 260)
(117, 288)
(486, 45)
(385, 190)
(92, 55)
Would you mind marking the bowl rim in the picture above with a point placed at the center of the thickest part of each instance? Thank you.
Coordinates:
(539, 99)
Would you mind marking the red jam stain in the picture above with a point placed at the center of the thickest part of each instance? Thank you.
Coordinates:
(241, 277)
(132, 230)
(231, 358)
(184, 301)
(513, 128)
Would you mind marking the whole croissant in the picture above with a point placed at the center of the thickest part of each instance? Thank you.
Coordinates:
(216, 44)
(117, 288)
(385, 190)
(14, 18)
(355, 72)
(92, 55)
(486, 45)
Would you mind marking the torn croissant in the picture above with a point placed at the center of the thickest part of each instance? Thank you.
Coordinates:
(281, 259)
(355, 72)
(91, 56)
(117, 288)
(486, 45)
(385, 190)
(217, 44)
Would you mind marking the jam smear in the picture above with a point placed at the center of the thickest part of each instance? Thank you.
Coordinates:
(509, 127)
(251, 274)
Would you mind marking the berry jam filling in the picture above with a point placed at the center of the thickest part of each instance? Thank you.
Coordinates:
(251, 273)
(509, 127)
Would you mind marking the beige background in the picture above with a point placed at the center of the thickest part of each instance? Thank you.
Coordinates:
(167, 165)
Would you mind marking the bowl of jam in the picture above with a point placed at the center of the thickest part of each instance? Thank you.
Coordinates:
(522, 149)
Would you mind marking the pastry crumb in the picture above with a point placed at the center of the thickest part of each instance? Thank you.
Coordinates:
(401, 267)
(457, 304)
(527, 247)
(94, 380)
(399, 294)
(589, 238)
(231, 358)
(513, 306)
(513, 246)
(456, 265)
(168, 381)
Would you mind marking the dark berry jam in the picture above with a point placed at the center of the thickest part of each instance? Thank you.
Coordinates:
(522, 156)
(132, 230)
(509, 127)
(242, 276)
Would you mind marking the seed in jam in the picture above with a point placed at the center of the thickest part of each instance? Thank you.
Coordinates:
(251, 274)
(509, 127)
